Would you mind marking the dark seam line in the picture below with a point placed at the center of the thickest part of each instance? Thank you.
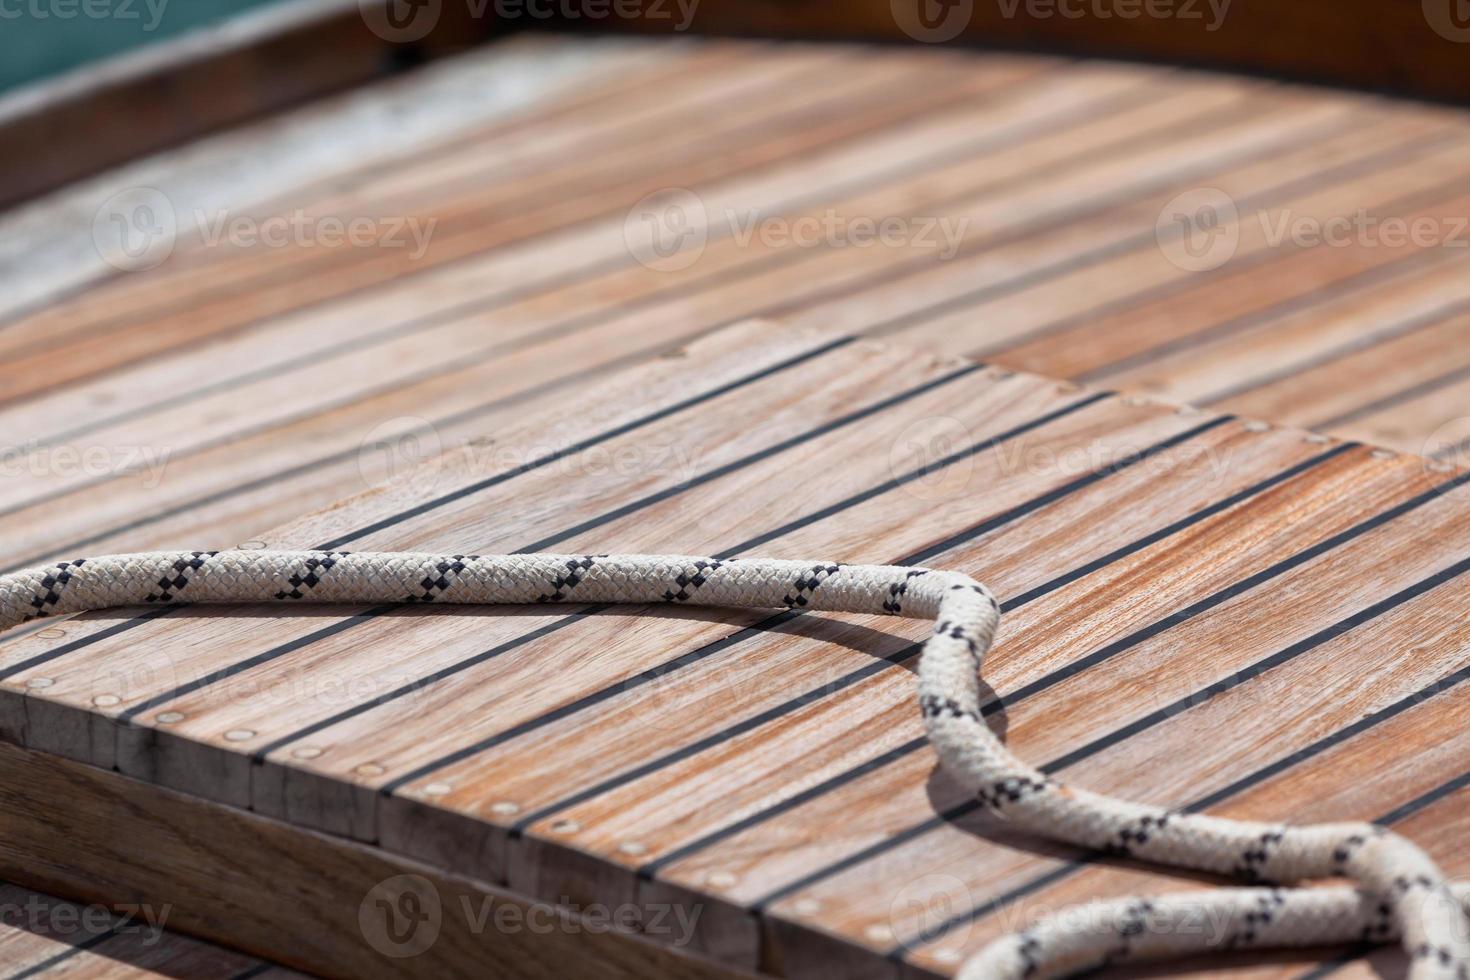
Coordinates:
(224, 673)
(709, 649)
(650, 868)
(74, 950)
(380, 610)
(592, 317)
(1065, 490)
(74, 645)
(615, 263)
(1338, 629)
(1345, 288)
(1392, 331)
(329, 186)
(1332, 966)
(585, 444)
(900, 657)
(750, 460)
(1062, 673)
(923, 471)
(463, 415)
(1092, 208)
(1404, 812)
(1134, 243)
(717, 738)
(1315, 297)
(615, 432)
(1398, 398)
(1368, 165)
(1159, 535)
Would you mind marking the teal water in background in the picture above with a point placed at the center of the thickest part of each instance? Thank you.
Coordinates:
(44, 38)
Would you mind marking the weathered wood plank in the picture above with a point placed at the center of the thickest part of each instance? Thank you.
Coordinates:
(333, 922)
(1118, 532)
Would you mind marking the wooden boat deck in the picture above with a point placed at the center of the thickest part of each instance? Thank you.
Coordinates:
(1203, 609)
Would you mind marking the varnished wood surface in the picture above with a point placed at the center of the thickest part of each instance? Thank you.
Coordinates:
(236, 387)
(1180, 623)
(1201, 610)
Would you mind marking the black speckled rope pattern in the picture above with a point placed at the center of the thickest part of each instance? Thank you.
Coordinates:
(1401, 893)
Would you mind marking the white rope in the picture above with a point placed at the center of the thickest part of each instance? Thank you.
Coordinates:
(1401, 893)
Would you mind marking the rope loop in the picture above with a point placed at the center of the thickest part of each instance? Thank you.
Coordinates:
(1400, 893)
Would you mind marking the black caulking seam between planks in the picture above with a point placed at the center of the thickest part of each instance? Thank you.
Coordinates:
(1051, 679)
(1040, 127)
(1091, 208)
(910, 650)
(1148, 239)
(612, 433)
(1385, 331)
(76, 949)
(1346, 286)
(575, 324)
(755, 629)
(1402, 813)
(1336, 630)
(378, 611)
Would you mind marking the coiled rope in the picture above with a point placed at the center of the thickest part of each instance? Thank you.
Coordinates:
(1400, 892)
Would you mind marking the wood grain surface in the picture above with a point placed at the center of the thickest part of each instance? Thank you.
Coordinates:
(332, 907)
(1200, 610)
(45, 936)
(1031, 210)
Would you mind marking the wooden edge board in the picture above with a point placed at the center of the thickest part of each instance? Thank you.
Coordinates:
(326, 905)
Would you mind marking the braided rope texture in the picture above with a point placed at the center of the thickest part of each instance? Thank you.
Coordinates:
(1399, 894)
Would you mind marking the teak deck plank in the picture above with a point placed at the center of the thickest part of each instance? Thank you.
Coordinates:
(1167, 572)
(1169, 575)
